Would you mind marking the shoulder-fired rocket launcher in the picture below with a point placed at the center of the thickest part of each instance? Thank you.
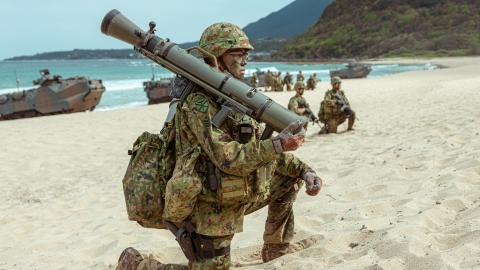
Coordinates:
(232, 92)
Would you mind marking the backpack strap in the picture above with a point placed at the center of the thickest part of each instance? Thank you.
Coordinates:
(180, 88)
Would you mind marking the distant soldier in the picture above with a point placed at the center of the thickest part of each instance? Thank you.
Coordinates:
(299, 105)
(300, 76)
(277, 83)
(335, 109)
(287, 80)
(254, 80)
(311, 83)
(268, 80)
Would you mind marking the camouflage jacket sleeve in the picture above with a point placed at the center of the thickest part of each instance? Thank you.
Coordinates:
(229, 156)
(291, 166)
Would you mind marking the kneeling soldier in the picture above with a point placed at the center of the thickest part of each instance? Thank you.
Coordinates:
(335, 109)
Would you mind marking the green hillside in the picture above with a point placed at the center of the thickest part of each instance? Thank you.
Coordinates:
(384, 28)
(292, 20)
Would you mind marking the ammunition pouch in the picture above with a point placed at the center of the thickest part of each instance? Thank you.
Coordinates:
(228, 189)
(196, 247)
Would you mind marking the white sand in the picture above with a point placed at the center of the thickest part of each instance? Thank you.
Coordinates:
(402, 190)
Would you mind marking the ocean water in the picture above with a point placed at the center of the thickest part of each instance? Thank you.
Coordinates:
(123, 78)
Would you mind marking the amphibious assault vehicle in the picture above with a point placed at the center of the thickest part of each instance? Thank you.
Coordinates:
(157, 90)
(353, 70)
(261, 78)
(54, 95)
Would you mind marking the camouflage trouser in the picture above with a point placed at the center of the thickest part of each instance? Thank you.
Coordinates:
(279, 226)
(334, 121)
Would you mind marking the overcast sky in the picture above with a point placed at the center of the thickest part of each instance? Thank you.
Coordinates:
(34, 26)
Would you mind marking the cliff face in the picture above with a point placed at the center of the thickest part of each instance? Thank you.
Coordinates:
(373, 28)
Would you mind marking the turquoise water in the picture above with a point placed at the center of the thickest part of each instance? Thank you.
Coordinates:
(123, 78)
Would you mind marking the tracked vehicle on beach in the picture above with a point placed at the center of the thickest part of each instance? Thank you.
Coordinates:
(53, 95)
(157, 90)
(353, 70)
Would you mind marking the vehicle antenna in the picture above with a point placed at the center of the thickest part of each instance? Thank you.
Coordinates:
(17, 80)
(153, 71)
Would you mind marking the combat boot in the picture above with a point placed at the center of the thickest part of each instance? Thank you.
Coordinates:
(273, 251)
(131, 259)
(324, 130)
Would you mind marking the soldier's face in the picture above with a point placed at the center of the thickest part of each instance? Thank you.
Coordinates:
(300, 91)
(336, 86)
(235, 62)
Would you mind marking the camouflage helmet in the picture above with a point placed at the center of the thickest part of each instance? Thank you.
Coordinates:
(221, 37)
(298, 85)
(335, 80)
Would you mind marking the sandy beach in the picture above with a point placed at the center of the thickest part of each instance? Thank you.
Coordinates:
(402, 191)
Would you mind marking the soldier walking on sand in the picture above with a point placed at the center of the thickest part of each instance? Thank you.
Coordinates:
(254, 80)
(239, 173)
(287, 80)
(300, 76)
(311, 83)
(335, 109)
(268, 80)
(277, 82)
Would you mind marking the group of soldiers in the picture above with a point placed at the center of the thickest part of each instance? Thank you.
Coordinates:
(274, 81)
(334, 109)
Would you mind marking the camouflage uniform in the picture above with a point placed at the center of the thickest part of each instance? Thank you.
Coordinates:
(252, 176)
(330, 112)
(254, 80)
(287, 80)
(298, 99)
(300, 77)
(277, 83)
(311, 83)
(268, 80)
(250, 172)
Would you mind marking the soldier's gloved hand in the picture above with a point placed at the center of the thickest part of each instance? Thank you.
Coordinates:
(313, 183)
(290, 138)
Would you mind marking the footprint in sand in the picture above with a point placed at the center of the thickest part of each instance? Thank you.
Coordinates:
(252, 255)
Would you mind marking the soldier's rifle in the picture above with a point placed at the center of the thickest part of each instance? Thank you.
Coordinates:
(343, 105)
(308, 112)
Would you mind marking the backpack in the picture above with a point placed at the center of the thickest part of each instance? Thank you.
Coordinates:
(151, 165)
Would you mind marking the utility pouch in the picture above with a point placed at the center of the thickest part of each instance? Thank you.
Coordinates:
(213, 179)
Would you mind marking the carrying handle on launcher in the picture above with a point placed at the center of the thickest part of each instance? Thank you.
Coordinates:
(204, 53)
